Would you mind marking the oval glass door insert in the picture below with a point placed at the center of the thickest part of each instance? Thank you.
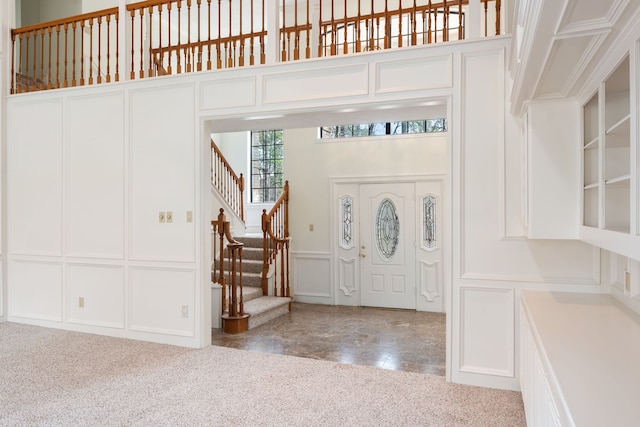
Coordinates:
(387, 229)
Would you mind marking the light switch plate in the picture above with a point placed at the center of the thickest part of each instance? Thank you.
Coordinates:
(169, 216)
(161, 217)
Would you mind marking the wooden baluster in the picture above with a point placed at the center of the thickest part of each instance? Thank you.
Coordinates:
(35, 51)
(498, 7)
(178, 52)
(141, 43)
(199, 66)
(66, 31)
(296, 34)
(108, 76)
(218, 47)
(345, 44)
(48, 60)
(252, 39)
(42, 34)
(429, 23)
(160, 61)
(82, 53)
(73, 69)
(117, 74)
(387, 26)
(209, 33)
(357, 32)
(150, 69)
(333, 30)
(188, 50)
(57, 57)
(460, 33)
(231, 45)
(16, 54)
(414, 18)
(400, 16)
(169, 47)
(99, 78)
(321, 32)
(241, 41)
(445, 21)
(132, 74)
(308, 33)
(283, 55)
(90, 51)
(486, 24)
(23, 77)
(262, 53)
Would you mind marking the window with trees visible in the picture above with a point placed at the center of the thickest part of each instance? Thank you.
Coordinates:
(267, 178)
(386, 128)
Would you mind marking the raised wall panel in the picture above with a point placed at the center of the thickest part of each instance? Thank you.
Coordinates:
(347, 276)
(316, 84)
(32, 278)
(429, 280)
(95, 171)
(157, 301)
(101, 288)
(35, 178)
(228, 93)
(310, 279)
(415, 74)
(487, 325)
(162, 174)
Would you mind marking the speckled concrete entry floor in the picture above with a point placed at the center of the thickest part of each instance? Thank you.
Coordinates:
(402, 340)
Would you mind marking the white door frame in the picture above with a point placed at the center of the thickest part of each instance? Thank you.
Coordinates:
(345, 267)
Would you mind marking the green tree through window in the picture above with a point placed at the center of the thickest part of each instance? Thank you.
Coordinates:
(267, 178)
(388, 128)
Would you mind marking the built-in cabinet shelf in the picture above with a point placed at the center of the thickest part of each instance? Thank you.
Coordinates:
(608, 170)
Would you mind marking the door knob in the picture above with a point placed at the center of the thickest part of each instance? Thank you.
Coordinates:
(362, 255)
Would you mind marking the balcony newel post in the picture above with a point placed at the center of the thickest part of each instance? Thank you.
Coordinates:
(314, 6)
(474, 20)
(272, 49)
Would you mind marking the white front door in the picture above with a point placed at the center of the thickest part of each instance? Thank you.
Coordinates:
(388, 245)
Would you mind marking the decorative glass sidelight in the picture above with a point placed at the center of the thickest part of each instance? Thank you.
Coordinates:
(387, 229)
(346, 216)
(429, 222)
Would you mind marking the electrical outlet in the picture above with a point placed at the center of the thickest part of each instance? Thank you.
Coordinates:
(627, 282)
(185, 311)
(161, 217)
(81, 302)
(169, 216)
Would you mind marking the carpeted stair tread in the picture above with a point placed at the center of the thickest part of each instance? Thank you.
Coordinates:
(265, 308)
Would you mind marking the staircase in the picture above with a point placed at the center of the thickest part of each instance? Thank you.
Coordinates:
(260, 308)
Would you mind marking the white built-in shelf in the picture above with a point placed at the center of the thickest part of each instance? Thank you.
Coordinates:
(621, 127)
(593, 186)
(619, 181)
(591, 145)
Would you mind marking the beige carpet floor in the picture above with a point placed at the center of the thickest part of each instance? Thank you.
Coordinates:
(52, 377)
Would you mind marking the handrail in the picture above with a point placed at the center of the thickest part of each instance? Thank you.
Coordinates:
(175, 36)
(233, 313)
(275, 229)
(226, 181)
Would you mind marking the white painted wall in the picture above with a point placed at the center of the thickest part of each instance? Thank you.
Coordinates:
(163, 167)
(86, 250)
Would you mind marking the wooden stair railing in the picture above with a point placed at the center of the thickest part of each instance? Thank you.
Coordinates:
(275, 230)
(167, 37)
(234, 319)
(226, 181)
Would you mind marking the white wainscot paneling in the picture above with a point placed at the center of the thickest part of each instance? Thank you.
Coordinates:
(29, 279)
(95, 222)
(162, 301)
(162, 173)
(430, 281)
(95, 295)
(35, 178)
(487, 331)
(312, 278)
(311, 84)
(414, 74)
(228, 93)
